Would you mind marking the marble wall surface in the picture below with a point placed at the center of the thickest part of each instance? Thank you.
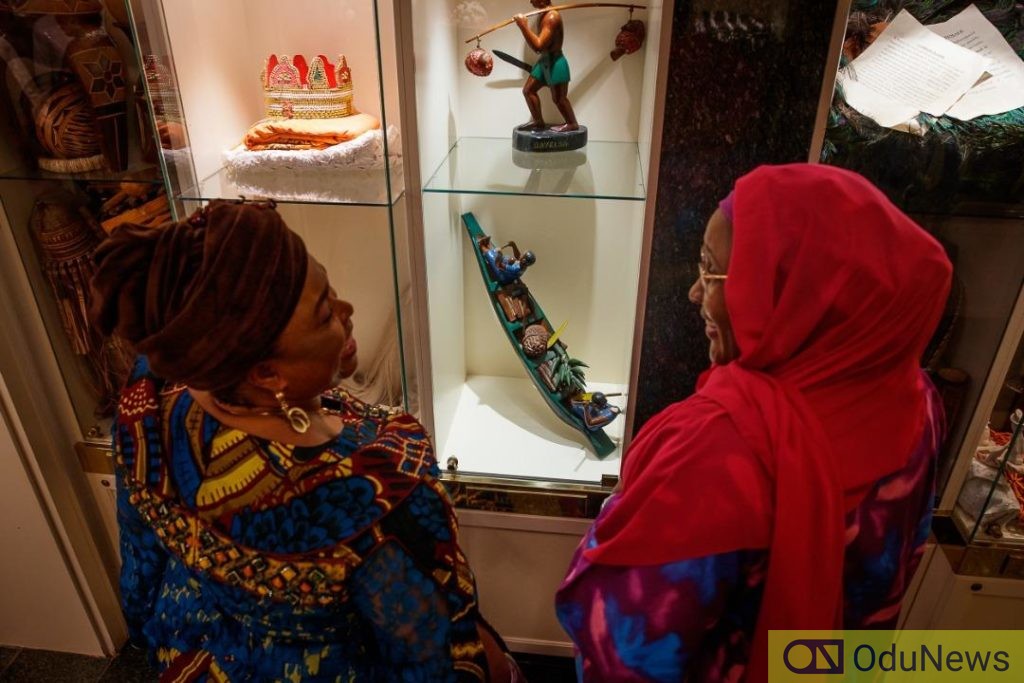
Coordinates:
(743, 88)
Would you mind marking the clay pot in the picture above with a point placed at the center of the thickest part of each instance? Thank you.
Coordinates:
(480, 62)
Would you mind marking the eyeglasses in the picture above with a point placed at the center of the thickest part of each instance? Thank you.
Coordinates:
(705, 276)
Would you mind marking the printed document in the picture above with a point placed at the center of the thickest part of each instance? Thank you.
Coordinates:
(1003, 90)
(907, 70)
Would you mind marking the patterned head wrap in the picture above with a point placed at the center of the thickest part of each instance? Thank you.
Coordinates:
(204, 299)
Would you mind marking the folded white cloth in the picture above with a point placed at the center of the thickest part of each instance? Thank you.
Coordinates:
(363, 153)
(350, 172)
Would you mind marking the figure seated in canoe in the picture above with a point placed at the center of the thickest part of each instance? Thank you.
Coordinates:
(594, 409)
(503, 268)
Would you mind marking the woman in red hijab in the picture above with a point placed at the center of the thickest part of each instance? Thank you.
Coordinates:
(793, 490)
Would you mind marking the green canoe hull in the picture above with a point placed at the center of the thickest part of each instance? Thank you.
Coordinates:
(596, 439)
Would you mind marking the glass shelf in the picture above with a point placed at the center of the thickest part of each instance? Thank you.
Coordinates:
(601, 170)
(357, 188)
(136, 173)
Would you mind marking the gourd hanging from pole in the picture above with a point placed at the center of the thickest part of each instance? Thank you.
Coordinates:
(631, 36)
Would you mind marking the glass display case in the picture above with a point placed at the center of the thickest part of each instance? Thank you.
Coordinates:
(504, 333)
(501, 328)
(258, 98)
(333, 108)
(78, 159)
(960, 179)
(503, 296)
(988, 507)
(298, 103)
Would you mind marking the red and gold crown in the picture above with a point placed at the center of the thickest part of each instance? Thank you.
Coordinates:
(297, 90)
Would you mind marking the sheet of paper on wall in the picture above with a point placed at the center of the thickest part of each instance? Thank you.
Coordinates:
(909, 70)
(1003, 91)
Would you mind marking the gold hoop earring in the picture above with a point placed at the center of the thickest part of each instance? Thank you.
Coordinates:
(297, 417)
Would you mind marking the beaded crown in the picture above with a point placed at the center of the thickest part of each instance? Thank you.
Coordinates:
(295, 89)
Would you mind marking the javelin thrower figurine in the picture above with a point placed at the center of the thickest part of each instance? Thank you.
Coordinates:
(551, 69)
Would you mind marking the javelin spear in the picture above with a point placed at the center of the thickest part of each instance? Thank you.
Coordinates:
(480, 63)
(558, 8)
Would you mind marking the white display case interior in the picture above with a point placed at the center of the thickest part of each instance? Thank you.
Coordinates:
(486, 411)
(203, 63)
(582, 213)
(205, 59)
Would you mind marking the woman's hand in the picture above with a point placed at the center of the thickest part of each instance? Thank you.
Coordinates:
(520, 20)
(499, 666)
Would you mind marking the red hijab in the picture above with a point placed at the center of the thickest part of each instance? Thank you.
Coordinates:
(833, 294)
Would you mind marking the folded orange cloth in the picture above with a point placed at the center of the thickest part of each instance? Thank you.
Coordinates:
(307, 133)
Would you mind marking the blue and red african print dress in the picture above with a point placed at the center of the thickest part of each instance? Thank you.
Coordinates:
(245, 559)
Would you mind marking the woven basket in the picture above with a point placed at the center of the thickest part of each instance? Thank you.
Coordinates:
(66, 242)
(66, 125)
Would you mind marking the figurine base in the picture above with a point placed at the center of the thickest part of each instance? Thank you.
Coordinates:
(539, 161)
(547, 140)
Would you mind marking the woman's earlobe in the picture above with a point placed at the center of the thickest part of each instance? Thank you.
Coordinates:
(265, 376)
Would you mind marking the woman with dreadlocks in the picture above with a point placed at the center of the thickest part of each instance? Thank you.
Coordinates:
(272, 527)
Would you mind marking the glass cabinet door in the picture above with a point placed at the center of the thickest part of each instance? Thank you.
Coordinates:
(78, 159)
(989, 506)
(297, 103)
(509, 333)
(244, 92)
(960, 178)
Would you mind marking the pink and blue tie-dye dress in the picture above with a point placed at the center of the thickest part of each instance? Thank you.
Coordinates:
(693, 620)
